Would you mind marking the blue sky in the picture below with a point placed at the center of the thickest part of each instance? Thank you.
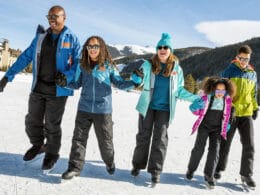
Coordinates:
(191, 23)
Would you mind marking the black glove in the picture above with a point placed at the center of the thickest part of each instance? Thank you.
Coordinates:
(3, 83)
(255, 114)
(232, 117)
(61, 79)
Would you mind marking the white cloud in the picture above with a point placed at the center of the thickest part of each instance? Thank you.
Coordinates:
(228, 32)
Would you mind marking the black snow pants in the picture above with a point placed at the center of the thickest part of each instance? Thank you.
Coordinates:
(154, 125)
(103, 127)
(213, 151)
(246, 131)
(44, 121)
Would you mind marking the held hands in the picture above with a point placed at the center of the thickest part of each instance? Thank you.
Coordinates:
(61, 79)
(255, 114)
(197, 104)
(137, 76)
(3, 83)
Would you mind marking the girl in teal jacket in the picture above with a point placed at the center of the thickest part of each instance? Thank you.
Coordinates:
(163, 84)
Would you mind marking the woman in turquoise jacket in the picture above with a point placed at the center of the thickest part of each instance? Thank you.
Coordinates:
(163, 84)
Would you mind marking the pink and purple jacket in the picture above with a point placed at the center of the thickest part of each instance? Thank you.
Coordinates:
(226, 114)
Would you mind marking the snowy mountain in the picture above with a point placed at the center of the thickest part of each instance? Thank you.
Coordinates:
(17, 177)
(119, 51)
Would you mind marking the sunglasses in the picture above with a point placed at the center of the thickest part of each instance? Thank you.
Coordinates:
(163, 47)
(95, 47)
(53, 17)
(220, 92)
(241, 59)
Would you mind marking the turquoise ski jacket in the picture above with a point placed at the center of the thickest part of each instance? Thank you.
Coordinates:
(177, 90)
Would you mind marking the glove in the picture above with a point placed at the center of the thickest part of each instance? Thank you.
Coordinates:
(197, 104)
(255, 114)
(3, 83)
(139, 72)
(137, 76)
(136, 79)
(232, 117)
(61, 79)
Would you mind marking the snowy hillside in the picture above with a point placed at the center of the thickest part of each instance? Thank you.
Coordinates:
(119, 51)
(16, 177)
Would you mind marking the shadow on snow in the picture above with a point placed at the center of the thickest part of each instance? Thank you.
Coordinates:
(13, 165)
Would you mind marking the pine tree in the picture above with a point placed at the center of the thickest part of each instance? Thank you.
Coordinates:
(190, 84)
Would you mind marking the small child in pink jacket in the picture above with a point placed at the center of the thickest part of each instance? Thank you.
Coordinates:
(212, 123)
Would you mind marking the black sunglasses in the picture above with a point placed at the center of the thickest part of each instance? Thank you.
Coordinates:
(53, 17)
(95, 47)
(243, 59)
(163, 47)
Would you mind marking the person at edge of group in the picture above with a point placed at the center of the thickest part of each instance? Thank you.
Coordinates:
(54, 50)
(212, 123)
(246, 108)
(96, 76)
(163, 84)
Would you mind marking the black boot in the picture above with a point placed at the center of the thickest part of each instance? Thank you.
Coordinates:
(49, 161)
(33, 152)
(155, 177)
(111, 168)
(135, 172)
(189, 174)
(217, 175)
(69, 174)
(210, 182)
(249, 181)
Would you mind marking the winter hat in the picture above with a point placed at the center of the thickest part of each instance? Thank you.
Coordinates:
(166, 40)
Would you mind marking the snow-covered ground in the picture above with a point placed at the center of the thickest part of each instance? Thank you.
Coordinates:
(16, 177)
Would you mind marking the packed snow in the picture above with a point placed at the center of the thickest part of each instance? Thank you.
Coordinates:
(17, 177)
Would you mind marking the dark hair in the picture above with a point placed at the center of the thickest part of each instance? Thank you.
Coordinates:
(104, 55)
(244, 49)
(57, 7)
(211, 83)
(156, 64)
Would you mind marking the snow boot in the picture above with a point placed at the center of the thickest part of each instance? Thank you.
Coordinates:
(248, 181)
(33, 152)
(189, 175)
(217, 175)
(135, 172)
(155, 177)
(49, 162)
(210, 183)
(111, 168)
(69, 174)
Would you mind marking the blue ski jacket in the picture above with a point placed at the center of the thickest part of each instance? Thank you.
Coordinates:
(67, 59)
(96, 93)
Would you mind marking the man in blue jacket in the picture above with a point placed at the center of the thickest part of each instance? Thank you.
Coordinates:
(51, 52)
